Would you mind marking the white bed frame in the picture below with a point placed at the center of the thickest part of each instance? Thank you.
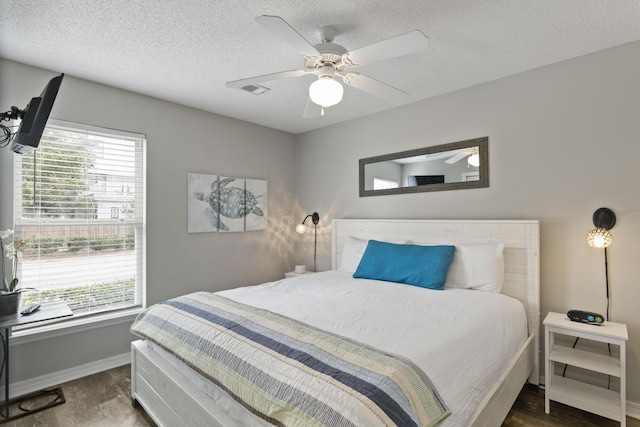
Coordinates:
(171, 399)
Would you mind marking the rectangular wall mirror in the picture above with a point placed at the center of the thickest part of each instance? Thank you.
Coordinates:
(454, 166)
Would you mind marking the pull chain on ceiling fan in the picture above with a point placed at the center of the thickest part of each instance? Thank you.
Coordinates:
(328, 60)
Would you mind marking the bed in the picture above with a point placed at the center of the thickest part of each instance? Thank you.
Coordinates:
(174, 394)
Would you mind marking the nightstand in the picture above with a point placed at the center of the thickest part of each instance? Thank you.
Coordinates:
(597, 400)
(294, 274)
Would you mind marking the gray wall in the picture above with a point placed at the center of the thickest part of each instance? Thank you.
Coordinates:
(385, 170)
(564, 140)
(180, 140)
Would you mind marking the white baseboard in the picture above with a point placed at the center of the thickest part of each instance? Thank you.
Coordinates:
(633, 410)
(56, 378)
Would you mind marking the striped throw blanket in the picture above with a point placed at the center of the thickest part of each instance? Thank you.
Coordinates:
(289, 373)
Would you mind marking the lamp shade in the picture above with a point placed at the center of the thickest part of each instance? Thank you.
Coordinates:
(326, 91)
(300, 228)
(474, 160)
(599, 238)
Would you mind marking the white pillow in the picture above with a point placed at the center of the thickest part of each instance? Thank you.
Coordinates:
(352, 253)
(479, 267)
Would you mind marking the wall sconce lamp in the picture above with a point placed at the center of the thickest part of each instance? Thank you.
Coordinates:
(604, 219)
(301, 228)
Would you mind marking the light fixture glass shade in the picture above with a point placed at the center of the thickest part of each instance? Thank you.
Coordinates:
(326, 91)
(599, 238)
(300, 228)
(474, 160)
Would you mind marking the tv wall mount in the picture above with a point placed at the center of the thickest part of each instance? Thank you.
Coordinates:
(13, 114)
(5, 132)
(33, 120)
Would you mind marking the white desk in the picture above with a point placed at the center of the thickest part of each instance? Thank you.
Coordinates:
(47, 312)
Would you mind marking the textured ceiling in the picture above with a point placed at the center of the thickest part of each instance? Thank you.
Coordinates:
(186, 51)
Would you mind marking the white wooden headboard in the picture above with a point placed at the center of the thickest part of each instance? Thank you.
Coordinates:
(521, 241)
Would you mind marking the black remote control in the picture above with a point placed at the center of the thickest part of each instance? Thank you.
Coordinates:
(30, 310)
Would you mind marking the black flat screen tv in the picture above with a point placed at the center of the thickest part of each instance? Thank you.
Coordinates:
(34, 118)
(414, 180)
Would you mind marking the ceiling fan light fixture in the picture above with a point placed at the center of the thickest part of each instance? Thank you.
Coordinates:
(326, 91)
(474, 160)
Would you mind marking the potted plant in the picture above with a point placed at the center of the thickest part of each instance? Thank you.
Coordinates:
(9, 292)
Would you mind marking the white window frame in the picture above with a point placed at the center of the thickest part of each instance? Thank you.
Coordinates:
(384, 183)
(113, 315)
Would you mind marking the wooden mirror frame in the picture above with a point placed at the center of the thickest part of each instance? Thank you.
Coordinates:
(483, 152)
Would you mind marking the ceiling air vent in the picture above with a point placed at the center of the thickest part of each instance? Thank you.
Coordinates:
(256, 89)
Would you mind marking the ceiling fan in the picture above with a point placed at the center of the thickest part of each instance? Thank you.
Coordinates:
(472, 153)
(328, 60)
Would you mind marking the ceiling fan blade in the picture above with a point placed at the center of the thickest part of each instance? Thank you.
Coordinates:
(312, 110)
(286, 32)
(265, 78)
(401, 45)
(457, 157)
(375, 88)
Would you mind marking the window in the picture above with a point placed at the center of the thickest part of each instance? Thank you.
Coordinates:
(65, 196)
(383, 183)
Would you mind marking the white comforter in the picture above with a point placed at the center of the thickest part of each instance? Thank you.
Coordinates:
(461, 339)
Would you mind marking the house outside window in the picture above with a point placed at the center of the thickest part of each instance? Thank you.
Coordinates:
(65, 195)
(115, 212)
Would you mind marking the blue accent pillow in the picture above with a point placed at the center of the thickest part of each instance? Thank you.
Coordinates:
(424, 266)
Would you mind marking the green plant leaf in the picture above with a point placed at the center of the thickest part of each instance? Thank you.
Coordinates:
(13, 285)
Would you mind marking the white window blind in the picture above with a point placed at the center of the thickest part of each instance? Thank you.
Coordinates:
(384, 184)
(79, 214)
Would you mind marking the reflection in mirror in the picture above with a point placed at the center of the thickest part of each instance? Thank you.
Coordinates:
(454, 166)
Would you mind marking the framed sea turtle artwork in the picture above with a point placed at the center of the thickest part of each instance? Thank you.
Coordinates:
(231, 204)
(202, 202)
(216, 203)
(256, 204)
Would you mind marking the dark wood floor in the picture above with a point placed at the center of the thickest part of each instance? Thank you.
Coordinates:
(99, 400)
(528, 411)
(103, 400)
